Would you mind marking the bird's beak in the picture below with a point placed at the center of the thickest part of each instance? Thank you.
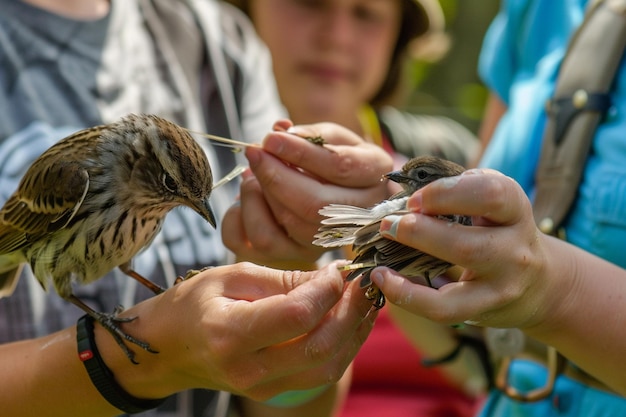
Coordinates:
(397, 176)
(203, 208)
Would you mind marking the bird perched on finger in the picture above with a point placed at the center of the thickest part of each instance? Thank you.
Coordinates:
(359, 227)
(95, 199)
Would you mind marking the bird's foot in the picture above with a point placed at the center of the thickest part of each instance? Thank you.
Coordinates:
(374, 293)
(111, 323)
(190, 274)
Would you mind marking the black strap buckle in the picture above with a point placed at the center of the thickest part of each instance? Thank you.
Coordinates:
(564, 109)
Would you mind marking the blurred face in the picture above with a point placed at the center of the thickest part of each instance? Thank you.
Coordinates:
(330, 56)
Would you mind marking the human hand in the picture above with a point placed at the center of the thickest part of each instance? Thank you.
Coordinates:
(290, 180)
(504, 255)
(246, 329)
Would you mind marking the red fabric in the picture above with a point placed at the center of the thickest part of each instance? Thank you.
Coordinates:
(389, 380)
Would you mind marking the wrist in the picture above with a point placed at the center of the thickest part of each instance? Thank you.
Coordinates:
(101, 375)
(554, 289)
(184, 360)
(150, 377)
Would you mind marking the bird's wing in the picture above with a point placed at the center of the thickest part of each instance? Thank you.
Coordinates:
(344, 223)
(48, 197)
(345, 214)
(8, 280)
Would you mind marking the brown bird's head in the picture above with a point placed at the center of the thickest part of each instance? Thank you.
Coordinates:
(173, 165)
(423, 170)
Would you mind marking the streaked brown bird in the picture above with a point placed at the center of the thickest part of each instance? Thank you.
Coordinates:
(95, 199)
(359, 227)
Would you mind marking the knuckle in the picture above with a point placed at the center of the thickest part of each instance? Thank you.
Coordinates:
(319, 351)
(497, 194)
(344, 166)
(269, 176)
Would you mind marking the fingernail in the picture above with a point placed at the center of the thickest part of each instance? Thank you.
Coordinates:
(302, 131)
(449, 182)
(378, 278)
(298, 130)
(389, 226)
(246, 174)
(254, 156)
(414, 203)
(273, 144)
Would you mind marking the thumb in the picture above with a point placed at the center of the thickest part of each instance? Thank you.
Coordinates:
(399, 290)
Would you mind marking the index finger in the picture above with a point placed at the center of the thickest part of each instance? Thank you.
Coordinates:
(352, 163)
(452, 303)
(484, 194)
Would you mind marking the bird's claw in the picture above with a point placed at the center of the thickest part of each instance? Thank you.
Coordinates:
(110, 323)
(374, 293)
(190, 274)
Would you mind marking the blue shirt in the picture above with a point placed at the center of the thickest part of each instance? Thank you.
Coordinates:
(519, 62)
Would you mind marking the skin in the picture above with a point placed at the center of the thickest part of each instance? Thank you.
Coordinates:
(332, 62)
(324, 324)
(335, 57)
(285, 330)
(277, 216)
(514, 276)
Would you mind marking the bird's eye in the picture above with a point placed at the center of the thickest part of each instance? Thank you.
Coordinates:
(169, 183)
(422, 174)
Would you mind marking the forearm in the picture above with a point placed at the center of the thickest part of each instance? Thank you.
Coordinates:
(242, 328)
(587, 315)
(434, 341)
(45, 377)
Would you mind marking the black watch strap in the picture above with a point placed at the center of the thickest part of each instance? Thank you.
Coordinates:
(101, 376)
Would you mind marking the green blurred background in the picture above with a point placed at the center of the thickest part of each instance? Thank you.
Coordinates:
(451, 86)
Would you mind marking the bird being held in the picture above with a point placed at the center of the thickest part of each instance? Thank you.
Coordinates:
(359, 227)
(95, 199)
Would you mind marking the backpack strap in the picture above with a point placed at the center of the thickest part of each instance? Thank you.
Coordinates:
(581, 99)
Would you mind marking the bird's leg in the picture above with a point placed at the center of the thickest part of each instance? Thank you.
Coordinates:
(110, 323)
(190, 274)
(157, 289)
